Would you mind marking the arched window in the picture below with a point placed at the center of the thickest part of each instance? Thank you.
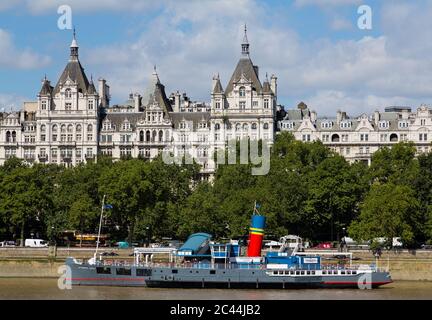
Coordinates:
(166, 135)
(13, 136)
(254, 126)
(266, 125)
(63, 128)
(217, 126)
(43, 128)
(335, 138)
(8, 136)
(160, 135)
(154, 136)
(238, 126)
(54, 128)
(394, 137)
(141, 134)
(68, 93)
(148, 136)
(78, 128)
(70, 128)
(89, 128)
(242, 92)
(245, 127)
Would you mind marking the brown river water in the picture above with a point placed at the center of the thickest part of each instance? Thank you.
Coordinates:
(47, 289)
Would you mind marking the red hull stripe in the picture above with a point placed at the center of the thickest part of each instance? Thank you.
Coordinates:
(354, 282)
(115, 279)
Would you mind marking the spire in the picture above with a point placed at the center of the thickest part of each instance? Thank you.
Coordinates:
(74, 47)
(245, 43)
(155, 76)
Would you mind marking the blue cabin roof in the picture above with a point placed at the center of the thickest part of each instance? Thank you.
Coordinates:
(195, 241)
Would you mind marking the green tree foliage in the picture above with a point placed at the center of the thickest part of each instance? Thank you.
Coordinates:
(310, 191)
(388, 211)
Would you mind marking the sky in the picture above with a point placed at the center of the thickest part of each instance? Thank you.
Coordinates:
(314, 47)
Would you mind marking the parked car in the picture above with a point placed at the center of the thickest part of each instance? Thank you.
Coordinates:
(7, 243)
(426, 246)
(35, 243)
(323, 245)
(109, 254)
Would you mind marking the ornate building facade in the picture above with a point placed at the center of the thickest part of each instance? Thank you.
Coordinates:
(357, 138)
(72, 122)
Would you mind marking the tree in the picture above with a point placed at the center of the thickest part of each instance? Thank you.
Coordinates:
(389, 210)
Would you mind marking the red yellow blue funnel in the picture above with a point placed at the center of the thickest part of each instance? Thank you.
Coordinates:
(256, 235)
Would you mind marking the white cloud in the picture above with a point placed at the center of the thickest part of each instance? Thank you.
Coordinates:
(10, 102)
(13, 57)
(341, 24)
(353, 75)
(7, 4)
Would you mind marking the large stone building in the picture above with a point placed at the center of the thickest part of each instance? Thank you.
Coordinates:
(357, 138)
(73, 122)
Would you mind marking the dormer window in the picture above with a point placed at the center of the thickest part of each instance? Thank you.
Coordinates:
(68, 93)
(327, 125)
(106, 125)
(346, 124)
(44, 105)
(217, 126)
(90, 104)
(403, 124)
(126, 126)
(242, 92)
(383, 124)
(183, 125)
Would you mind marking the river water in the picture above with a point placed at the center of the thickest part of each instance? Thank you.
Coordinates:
(47, 289)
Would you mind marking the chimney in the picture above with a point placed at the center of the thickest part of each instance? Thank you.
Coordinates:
(273, 84)
(137, 101)
(313, 116)
(177, 97)
(103, 93)
(376, 117)
(338, 116)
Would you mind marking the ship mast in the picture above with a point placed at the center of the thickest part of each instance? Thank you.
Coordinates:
(100, 226)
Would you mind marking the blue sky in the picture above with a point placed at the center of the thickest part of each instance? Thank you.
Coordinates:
(314, 47)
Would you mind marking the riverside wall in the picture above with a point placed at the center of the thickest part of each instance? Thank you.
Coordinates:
(44, 262)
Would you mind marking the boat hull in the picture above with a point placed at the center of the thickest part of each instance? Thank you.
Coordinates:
(231, 278)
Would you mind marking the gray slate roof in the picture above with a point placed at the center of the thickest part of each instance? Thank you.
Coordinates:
(244, 66)
(75, 72)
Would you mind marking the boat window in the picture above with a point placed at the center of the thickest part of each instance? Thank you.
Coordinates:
(348, 272)
(308, 272)
(291, 272)
(354, 272)
(286, 272)
(281, 272)
(143, 272)
(103, 270)
(324, 272)
(342, 272)
(212, 271)
(123, 271)
(297, 272)
(274, 272)
(174, 271)
(302, 272)
(334, 272)
(313, 272)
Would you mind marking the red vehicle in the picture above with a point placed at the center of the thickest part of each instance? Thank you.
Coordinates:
(324, 245)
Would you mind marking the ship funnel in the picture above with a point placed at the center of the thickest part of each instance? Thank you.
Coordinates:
(256, 235)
